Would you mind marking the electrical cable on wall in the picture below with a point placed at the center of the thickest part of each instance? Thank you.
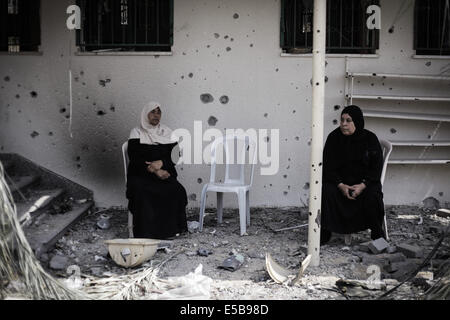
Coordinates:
(70, 87)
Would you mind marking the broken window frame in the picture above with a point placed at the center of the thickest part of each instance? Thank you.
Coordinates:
(20, 26)
(432, 27)
(125, 25)
(342, 38)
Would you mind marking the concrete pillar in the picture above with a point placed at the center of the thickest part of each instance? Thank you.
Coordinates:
(318, 97)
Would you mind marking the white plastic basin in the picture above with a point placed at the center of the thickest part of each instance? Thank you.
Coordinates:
(130, 253)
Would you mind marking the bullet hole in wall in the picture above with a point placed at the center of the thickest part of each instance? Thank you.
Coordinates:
(285, 193)
(335, 122)
(206, 98)
(236, 16)
(33, 94)
(441, 194)
(391, 29)
(17, 96)
(266, 139)
(228, 49)
(62, 110)
(193, 197)
(224, 99)
(101, 113)
(7, 78)
(216, 35)
(306, 186)
(104, 82)
(50, 133)
(112, 108)
(285, 176)
(34, 134)
(393, 131)
(297, 138)
(428, 63)
(212, 121)
(337, 107)
(199, 180)
(190, 75)
(265, 115)
(251, 45)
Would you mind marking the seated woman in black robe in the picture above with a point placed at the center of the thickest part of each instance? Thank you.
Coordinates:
(352, 199)
(156, 199)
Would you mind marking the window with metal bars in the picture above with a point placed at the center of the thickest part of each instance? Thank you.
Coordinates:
(20, 26)
(125, 25)
(347, 30)
(432, 27)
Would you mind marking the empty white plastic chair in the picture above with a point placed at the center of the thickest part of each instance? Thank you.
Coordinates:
(386, 147)
(236, 148)
(126, 160)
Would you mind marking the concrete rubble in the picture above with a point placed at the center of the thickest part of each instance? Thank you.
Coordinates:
(356, 267)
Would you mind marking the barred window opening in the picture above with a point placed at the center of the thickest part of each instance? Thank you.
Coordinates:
(20, 25)
(126, 25)
(432, 27)
(347, 30)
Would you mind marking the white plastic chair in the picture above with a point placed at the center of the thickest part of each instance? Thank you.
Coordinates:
(234, 177)
(126, 160)
(386, 147)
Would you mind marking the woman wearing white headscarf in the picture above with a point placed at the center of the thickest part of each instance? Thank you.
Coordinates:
(156, 199)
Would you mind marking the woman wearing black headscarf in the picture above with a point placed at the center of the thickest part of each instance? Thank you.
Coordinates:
(352, 199)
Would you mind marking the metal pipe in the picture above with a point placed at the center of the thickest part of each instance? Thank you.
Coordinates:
(318, 97)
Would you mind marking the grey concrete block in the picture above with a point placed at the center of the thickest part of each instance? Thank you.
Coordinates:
(378, 246)
(59, 262)
(410, 251)
(364, 247)
(391, 249)
(403, 270)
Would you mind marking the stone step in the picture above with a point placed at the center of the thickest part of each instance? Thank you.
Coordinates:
(7, 164)
(48, 229)
(21, 183)
(36, 203)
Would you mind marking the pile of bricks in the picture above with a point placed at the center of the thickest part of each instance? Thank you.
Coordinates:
(396, 262)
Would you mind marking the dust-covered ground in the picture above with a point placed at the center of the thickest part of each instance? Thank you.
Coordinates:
(83, 246)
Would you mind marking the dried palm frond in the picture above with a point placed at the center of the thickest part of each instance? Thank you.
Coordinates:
(17, 260)
(138, 284)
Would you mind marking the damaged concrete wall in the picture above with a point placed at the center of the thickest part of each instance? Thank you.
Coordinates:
(226, 70)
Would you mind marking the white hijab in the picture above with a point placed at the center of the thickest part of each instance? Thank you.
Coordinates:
(149, 134)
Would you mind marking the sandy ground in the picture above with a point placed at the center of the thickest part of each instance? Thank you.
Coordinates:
(83, 246)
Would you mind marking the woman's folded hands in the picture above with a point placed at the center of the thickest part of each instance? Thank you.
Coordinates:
(155, 167)
(351, 192)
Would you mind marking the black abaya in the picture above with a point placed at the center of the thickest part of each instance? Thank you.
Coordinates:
(158, 206)
(352, 160)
